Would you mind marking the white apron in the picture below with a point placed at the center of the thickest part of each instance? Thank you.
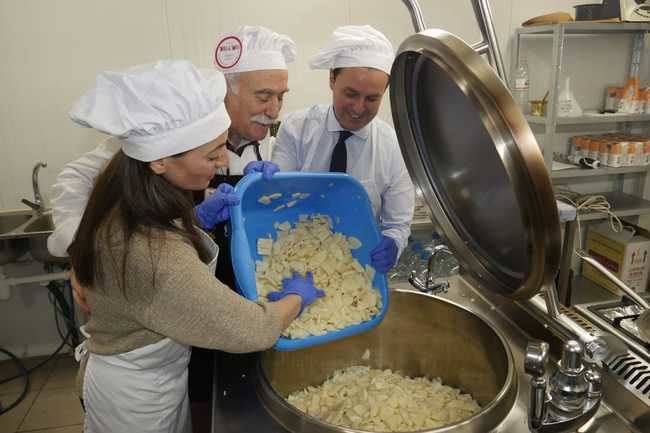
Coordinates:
(144, 390)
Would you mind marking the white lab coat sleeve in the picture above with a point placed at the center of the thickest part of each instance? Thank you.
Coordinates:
(285, 147)
(70, 194)
(398, 203)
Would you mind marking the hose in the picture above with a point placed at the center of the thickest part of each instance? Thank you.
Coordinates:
(67, 312)
(22, 372)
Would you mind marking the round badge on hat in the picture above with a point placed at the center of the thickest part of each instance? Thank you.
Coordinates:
(228, 52)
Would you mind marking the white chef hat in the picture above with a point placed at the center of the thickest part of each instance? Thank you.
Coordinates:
(157, 109)
(253, 48)
(355, 46)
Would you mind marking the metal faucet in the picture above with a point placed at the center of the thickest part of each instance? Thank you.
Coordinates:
(573, 395)
(430, 285)
(37, 204)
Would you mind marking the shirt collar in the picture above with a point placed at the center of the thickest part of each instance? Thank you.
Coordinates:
(239, 150)
(243, 142)
(333, 125)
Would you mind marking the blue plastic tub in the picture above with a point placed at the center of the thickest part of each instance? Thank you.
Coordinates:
(340, 196)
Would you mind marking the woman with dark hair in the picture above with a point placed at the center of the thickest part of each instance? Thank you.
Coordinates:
(142, 259)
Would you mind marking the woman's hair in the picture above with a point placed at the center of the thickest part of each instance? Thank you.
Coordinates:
(129, 197)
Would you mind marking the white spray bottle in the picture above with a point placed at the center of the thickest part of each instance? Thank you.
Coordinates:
(567, 104)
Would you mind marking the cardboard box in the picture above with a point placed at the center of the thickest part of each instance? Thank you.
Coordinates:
(626, 254)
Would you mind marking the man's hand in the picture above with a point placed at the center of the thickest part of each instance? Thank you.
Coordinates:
(384, 255)
(79, 295)
(216, 208)
(267, 168)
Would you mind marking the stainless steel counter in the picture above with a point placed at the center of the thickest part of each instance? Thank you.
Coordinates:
(236, 407)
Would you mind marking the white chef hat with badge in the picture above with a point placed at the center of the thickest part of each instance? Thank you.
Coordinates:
(253, 48)
(156, 110)
(355, 46)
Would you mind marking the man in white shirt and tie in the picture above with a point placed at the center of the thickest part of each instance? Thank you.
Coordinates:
(346, 136)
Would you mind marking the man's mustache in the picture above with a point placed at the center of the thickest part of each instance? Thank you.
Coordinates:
(263, 119)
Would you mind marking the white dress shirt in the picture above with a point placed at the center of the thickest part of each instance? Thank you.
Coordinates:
(306, 141)
(71, 191)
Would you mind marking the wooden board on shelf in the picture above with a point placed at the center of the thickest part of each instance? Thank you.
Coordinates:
(586, 27)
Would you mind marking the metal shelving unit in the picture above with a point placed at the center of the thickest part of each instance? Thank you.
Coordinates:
(628, 206)
(558, 33)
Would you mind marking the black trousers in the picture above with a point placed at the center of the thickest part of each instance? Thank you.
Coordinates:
(201, 374)
(201, 367)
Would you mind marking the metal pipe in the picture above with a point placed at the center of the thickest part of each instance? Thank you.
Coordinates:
(15, 281)
(613, 278)
(552, 303)
(489, 45)
(416, 15)
(481, 47)
(483, 14)
(597, 347)
(38, 199)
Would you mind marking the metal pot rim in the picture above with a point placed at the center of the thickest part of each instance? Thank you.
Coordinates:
(263, 385)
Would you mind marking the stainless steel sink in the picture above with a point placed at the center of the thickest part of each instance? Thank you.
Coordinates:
(25, 230)
(9, 220)
(12, 248)
(39, 229)
(40, 225)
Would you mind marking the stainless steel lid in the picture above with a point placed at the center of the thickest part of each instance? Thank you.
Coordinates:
(470, 150)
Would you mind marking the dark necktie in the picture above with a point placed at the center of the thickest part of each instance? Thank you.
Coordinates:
(339, 160)
(239, 150)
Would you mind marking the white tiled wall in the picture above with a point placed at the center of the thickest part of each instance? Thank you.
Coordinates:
(50, 51)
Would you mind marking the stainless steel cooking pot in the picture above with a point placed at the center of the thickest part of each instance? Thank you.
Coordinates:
(420, 336)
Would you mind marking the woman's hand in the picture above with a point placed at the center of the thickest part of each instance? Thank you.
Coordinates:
(216, 208)
(297, 285)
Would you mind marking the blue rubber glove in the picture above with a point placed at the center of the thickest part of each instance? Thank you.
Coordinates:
(296, 285)
(267, 168)
(384, 255)
(216, 208)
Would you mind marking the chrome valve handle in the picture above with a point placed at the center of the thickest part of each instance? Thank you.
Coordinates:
(568, 385)
(430, 285)
(535, 362)
(573, 395)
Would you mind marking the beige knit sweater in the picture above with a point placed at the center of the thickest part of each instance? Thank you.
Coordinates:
(172, 293)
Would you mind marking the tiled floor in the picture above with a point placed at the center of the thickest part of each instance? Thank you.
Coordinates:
(51, 406)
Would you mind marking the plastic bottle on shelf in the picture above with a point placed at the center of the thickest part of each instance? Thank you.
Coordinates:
(520, 87)
(567, 103)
